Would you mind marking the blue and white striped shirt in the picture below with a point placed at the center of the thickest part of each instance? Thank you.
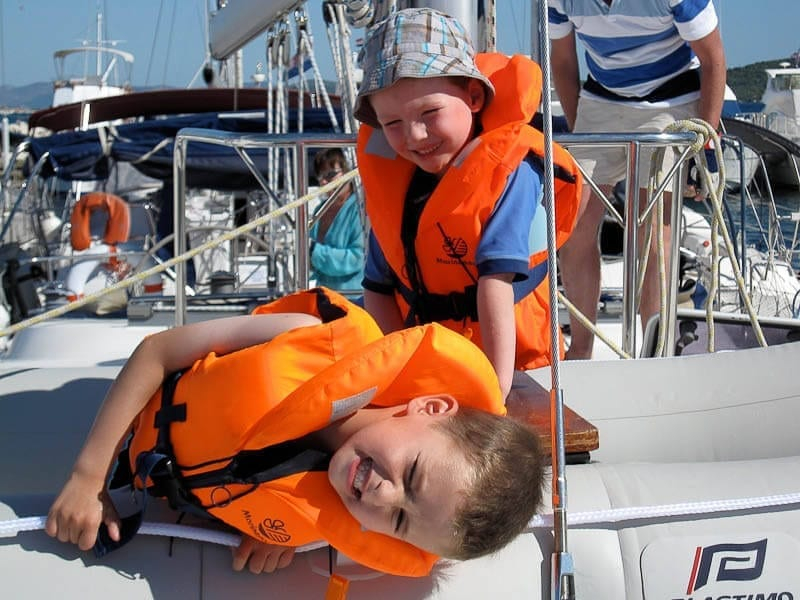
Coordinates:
(635, 46)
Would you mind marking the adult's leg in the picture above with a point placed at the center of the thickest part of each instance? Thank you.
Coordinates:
(650, 302)
(579, 261)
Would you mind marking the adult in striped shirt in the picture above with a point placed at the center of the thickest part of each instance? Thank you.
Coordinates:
(650, 63)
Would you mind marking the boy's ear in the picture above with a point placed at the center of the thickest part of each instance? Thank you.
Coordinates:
(433, 405)
(477, 95)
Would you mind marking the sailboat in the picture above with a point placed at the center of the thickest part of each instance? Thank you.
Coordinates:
(673, 477)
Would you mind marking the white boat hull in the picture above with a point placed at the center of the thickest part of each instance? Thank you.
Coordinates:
(635, 559)
(672, 431)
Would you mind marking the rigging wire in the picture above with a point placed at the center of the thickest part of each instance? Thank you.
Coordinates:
(2, 48)
(153, 45)
(169, 43)
(517, 23)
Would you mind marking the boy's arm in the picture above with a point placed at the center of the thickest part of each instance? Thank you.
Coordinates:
(82, 505)
(497, 322)
(384, 310)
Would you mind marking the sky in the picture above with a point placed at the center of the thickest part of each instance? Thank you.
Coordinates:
(167, 37)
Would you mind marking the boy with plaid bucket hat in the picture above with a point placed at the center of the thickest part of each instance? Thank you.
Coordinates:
(452, 173)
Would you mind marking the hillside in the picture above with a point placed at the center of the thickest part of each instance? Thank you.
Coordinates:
(31, 97)
(747, 82)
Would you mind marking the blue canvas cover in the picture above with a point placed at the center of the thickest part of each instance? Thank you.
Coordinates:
(87, 155)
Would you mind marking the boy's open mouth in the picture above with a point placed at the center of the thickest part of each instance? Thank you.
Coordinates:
(361, 476)
(428, 150)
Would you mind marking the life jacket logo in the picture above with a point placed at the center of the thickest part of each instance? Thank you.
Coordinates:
(455, 247)
(274, 530)
(727, 562)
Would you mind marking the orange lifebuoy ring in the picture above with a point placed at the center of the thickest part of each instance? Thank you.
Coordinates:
(118, 226)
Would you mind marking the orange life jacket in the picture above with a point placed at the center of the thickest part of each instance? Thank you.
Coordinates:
(297, 383)
(117, 227)
(455, 214)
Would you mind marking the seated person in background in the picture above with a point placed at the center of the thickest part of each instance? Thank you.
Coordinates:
(393, 449)
(337, 236)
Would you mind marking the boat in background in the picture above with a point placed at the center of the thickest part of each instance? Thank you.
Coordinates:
(741, 159)
(774, 131)
(781, 101)
(75, 83)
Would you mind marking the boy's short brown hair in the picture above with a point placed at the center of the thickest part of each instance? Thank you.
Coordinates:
(507, 476)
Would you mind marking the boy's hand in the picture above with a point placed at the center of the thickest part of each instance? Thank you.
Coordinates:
(260, 557)
(79, 510)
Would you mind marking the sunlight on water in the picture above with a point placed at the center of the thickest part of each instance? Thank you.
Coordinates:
(787, 201)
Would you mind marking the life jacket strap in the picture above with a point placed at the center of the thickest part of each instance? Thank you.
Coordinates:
(427, 307)
(168, 413)
(559, 172)
(167, 482)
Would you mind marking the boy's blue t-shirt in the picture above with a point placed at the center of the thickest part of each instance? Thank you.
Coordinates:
(515, 230)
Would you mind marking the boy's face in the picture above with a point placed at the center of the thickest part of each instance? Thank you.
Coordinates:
(428, 121)
(404, 477)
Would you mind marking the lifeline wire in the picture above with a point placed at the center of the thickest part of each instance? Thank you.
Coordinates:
(12, 527)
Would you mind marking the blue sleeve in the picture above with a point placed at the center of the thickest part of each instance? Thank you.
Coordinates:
(378, 275)
(507, 237)
(342, 252)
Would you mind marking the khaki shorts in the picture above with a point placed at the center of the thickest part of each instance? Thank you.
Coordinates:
(606, 165)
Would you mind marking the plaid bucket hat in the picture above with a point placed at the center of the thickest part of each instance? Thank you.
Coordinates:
(415, 42)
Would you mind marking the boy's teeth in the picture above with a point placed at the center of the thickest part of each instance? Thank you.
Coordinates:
(361, 474)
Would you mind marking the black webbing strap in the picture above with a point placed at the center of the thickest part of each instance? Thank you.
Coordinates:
(168, 413)
(260, 466)
(426, 307)
(148, 465)
(419, 190)
(455, 306)
(683, 83)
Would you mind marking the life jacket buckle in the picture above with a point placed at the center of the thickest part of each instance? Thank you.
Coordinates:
(166, 482)
(458, 309)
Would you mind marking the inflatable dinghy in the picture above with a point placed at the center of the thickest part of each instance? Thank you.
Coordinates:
(692, 493)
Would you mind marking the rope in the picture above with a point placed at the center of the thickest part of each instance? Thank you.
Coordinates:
(328, 188)
(682, 509)
(10, 528)
(706, 133)
(592, 326)
(326, 100)
(491, 25)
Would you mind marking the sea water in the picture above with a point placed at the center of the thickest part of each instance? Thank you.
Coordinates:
(754, 218)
